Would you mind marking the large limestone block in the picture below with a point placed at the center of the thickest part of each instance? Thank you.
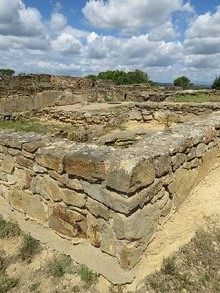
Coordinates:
(139, 225)
(25, 162)
(23, 178)
(109, 242)
(130, 254)
(183, 183)
(86, 165)
(7, 165)
(68, 222)
(127, 175)
(51, 158)
(186, 179)
(29, 203)
(47, 187)
(65, 180)
(162, 165)
(98, 209)
(71, 197)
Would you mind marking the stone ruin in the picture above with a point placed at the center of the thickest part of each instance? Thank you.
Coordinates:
(110, 193)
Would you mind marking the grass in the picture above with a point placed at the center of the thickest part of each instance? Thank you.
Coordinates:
(70, 131)
(86, 275)
(8, 229)
(34, 287)
(29, 248)
(60, 265)
(195, 268)
(198, 98)
(6, 282)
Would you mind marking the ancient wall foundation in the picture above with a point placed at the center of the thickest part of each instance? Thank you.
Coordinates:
(115, 199)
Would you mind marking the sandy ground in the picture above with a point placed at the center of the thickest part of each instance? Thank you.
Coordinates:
(91, 107)
(202, 205)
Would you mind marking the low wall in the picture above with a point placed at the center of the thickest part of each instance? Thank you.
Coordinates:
(114, 199)
(51, 98)
(142, 112)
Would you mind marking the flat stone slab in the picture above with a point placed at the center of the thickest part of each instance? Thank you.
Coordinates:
(82, 253)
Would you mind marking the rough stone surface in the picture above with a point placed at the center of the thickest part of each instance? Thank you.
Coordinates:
(7, 165)
(127, 175)
(29, 204)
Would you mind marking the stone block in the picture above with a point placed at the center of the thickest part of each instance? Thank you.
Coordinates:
(65, 180)
(68, 222)
(47, 187)
(28, 203)
(23, 178)
(50, 158)
(89, 166)
(162, 165)
(32, 146)
(130, 254)
(127, 175)
(25, 162)
(139, 225)
(178, 160)
(97, 209)
(93, 230)
(71, 197)
(109, 243)
(8, 165)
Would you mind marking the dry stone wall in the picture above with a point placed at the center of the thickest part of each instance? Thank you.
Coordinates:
(114, 199)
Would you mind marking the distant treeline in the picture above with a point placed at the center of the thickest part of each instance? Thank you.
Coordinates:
(121, 77)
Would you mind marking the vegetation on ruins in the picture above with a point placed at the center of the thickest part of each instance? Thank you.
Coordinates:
(195, 268)
(25, 255)
(121, 77)
(183, 82)
(216, 83)
(196, 98)
(6, 72)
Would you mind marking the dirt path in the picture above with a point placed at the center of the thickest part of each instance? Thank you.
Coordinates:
(91, 107)
(203, 203)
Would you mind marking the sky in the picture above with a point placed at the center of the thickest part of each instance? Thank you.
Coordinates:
(164, 38)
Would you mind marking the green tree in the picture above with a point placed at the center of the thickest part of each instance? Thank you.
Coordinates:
(216, 83)
(121, 77)
(6, 72)
(183, 81)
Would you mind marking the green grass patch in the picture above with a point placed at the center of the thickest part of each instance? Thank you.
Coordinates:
(27, 126)
(199, 98)
(70, 131)
(8, 229)
(86, 275)
(7, 283)
(60, 265)
(29, 248)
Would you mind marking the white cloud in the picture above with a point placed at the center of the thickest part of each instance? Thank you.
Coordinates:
(130, 15)
(58, 21)
(17, 20)
(67, 44)
(202, 41)
(205, 25)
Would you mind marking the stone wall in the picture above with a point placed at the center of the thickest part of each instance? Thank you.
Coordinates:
(143, 112)
(114, 199)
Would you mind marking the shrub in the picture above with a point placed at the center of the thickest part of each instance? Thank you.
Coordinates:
(29, 248)
(182, 81)
(216, 83)
(60, 265)
(86, 275)
(8, 229)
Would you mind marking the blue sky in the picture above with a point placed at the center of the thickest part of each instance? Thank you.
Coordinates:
(165, 38)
